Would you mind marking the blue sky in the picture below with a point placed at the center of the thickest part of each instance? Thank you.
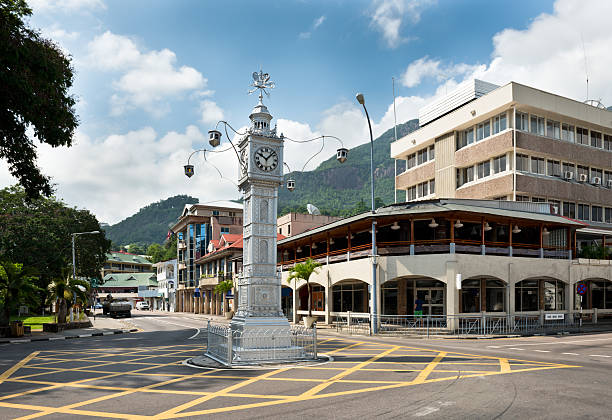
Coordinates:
(153, 77)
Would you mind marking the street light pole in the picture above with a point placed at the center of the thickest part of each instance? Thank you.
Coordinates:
(361, 100)
(74, 235)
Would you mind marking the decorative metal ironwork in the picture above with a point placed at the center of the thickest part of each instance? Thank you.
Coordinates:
(261, 82)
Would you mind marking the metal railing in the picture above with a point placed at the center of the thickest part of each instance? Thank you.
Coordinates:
(261, 346)
(461, 324)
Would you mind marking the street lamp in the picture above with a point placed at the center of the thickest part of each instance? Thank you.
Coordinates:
(74, 235)
(361, 100)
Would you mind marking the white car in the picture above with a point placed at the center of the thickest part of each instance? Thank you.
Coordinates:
(142, 306)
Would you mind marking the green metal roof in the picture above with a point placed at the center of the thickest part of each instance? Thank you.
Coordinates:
(127, 258)
(129, 280)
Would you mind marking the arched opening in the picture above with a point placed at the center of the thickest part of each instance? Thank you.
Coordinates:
(287, 301)
(350, 295)
(404, 296)
(317, 302)
(482, 294)
(539, 294)
(598, 294)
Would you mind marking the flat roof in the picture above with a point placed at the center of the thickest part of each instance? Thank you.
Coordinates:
(539, 212)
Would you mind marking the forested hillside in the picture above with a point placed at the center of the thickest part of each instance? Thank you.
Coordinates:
(343, 189)
(150, 224)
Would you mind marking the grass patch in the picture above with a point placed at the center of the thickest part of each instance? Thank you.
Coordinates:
(35, 322)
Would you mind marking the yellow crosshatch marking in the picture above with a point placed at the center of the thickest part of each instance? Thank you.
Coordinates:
(358, 367)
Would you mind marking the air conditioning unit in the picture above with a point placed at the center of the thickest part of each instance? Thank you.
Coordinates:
(568, 175)
(583, 177)
(610, 183)
(596, 180)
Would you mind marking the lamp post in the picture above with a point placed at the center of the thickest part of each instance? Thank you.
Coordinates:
(361, 100)
(74, 235)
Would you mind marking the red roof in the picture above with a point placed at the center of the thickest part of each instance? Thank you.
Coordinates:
(236, 244)
(231, 237)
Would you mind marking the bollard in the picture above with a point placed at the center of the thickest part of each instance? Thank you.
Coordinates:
(208, 337)
(314, 333)
(594, 315)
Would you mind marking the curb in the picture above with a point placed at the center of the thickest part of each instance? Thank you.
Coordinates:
(67, 337)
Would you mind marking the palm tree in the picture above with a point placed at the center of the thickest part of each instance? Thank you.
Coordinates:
(302, 271)
(16, 287)
(62, 290)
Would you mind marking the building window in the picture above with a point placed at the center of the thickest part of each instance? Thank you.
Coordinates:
(537, 125)
(499, 123)
(224, 229)
(596, 139)
(568, 167)
(608, 215)
(432, 186)
(596, 173)
(554, 291)
(484, 169)
(607, 142)
(483, 130)
(422, 189)
(411, 193)
(607, 179)
(522, 121)
(583, 170)
(465, 175)
(553, 168)
(567, 132)
(537, 165)
(522, 198)
(596, 214)
(215, 212)
(432, 152)
(411, 161)
(422, 156)
(556, 206)
(499, 164)
(538, 200)
(582, 135)
(583, 212)
(527, 296)
(522, 162)
(552, 129)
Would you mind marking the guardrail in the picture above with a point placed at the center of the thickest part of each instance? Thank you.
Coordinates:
(261, 346)
(462, 324)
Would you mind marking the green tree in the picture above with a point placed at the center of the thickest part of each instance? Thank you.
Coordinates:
(222, 288)
(17, 286)
(156, 252)
(37, 234)
(170, 251)
(62, 292)
(303, 271)
(35, 77)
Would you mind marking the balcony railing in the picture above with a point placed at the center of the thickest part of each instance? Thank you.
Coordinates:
(213, 280)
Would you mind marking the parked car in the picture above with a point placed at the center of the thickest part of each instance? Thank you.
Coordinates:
(117, 307)
(98, 306)
(142, 306)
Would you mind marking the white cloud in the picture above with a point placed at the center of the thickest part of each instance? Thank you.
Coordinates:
(426, 68)
(389, 16)
(65, 6)
(148, 79)
(315, 24)
(211, 113)
(548, 55)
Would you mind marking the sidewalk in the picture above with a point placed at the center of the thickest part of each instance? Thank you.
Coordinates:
(100, 326)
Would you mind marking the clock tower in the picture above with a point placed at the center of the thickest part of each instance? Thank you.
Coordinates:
(261, 173)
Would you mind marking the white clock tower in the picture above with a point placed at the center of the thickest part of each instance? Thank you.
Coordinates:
(261, 173)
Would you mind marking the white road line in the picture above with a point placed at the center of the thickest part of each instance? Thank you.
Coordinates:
(195, 335)
(598, 355)
(515, 348)
(426, 411)
(560, 342)
(493, 347)
(572, 354)
(543, 351)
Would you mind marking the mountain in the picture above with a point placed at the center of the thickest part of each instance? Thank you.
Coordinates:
(344, 188)
(150, 224)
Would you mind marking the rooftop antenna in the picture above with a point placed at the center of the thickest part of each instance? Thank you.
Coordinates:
(586, 71)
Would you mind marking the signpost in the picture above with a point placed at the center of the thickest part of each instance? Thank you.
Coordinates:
(581, 289)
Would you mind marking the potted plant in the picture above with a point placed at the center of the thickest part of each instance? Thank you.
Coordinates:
(302, 271)
(222, 288)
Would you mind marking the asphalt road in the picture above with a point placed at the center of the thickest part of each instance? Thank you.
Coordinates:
(141, 375)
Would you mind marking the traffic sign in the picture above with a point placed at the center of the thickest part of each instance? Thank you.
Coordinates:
(581, 289)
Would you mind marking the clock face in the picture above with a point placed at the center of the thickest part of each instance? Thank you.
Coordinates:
(266, 159)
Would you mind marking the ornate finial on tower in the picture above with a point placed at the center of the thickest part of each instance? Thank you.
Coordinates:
(261, 82)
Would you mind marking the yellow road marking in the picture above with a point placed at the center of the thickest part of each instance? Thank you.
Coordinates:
(504, 365)
(429, 368)
(7, 373)
(319, 388)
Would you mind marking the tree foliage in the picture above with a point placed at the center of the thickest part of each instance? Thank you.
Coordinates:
(17, 287)
(35, 77)
(64, 291)
(303, 271)
(37, 234)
